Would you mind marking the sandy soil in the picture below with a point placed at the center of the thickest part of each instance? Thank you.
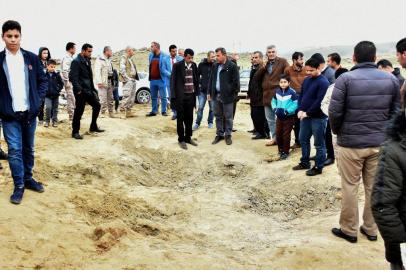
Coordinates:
(132, 199)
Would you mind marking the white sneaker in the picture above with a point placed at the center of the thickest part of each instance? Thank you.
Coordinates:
(195, 127)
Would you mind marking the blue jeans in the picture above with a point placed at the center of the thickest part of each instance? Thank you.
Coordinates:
(202, 103)
(156, 87)
(271, 119)
(19, 135)
(315, 127)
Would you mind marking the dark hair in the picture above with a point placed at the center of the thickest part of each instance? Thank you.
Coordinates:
(40, 53)
(319, 58)
(222, 50)
(312, 62)
(297, 55)
(106, 48)
(189, 52)
(384, 63)
(70, 45)
(284, 77)
(173, 46)
(10, 25)
(335, 57)
(365, 51)
(401, 46)
(86, 46)
(261, 55)
(340, 71)
(209, 52)
(51, 62)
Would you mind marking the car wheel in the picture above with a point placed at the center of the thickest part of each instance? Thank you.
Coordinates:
(143, 96)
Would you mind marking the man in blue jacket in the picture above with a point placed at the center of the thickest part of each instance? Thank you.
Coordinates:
(159, 77)
(23, 85)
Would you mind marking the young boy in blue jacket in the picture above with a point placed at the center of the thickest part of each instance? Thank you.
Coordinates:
(284, 103)
(55, 85)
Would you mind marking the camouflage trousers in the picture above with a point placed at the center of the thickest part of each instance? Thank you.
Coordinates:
(70, 99)
(106, 99)
(129, 92)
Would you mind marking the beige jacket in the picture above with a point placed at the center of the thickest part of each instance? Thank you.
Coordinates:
(128, 70)
(103, 69)
(65, 66)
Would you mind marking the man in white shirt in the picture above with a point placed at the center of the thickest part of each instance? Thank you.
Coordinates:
(22, 87)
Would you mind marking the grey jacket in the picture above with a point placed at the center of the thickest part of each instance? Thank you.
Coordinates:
(361, 105)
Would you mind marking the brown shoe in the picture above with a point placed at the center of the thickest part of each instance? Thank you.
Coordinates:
(129, 113)
(271, 143)
(111, 115)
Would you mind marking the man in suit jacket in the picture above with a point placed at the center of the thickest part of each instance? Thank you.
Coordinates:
(184, 89)
(81, 77)
(22, 88)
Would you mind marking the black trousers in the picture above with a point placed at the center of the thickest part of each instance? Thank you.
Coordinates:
(184, 119)
(259, 120)
(41, 111)
(297, 129)
(80, 104)
(329, 142)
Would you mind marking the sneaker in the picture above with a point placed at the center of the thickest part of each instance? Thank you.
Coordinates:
(17, 195)
(301, 166)
(3, 155)
(34, 186)
(339, 233)
(183, 145)
(217, 139)
(151, 114)
(192, 142)
(228, 140)
(284, 156)
(314, 171)
(369, 237)
(77, 136)
(46, 124)
(211, 125)
(195, 127)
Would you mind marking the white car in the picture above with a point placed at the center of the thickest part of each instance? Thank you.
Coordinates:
(143, 94)
(244, 80)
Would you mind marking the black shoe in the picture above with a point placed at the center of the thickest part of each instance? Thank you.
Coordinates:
(192, 142)
(259, 137)
(314, 171)
(301, 166)
(369, 237)
(340, 234)
(164, 114)
(77, 136)
(251, 131)
(34, 186)
(183, 145)
(17, 195)
(1, 167)
(234, 130)
(217, 139)
(150, 114)
(173, 117)
(284, 156)
(329, 161)
(97, 129)
(3, 155)
(312, 158)
(228, 140)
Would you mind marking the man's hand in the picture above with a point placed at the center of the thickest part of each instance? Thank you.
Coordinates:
(208, 97)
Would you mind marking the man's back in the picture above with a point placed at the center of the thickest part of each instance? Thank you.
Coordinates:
(363, 101)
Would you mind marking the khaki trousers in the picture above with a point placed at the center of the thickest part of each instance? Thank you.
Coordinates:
(354, 165)
(106, 99)
(70, 98)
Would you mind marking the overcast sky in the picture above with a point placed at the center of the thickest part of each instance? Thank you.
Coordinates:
(202, 25)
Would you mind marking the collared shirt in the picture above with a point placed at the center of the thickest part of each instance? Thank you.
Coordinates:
(189, 86)
(173, 60)
(17, 84)
(218, 77)
(270, 66)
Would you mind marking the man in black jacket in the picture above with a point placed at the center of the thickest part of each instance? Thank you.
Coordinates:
(224, 83)
(184, 89)
(81, 77)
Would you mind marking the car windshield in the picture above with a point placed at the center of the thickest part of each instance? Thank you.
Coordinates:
(245, 74)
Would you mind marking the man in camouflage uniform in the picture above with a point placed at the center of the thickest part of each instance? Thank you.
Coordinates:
(103, 78)
(66, 62)
(128, 76)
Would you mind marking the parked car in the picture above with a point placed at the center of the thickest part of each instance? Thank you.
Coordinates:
(244, 80)
(143, 94)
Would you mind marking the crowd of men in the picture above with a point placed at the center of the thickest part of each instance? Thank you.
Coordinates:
(310, 98)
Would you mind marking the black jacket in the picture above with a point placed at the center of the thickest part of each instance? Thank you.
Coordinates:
(204, 70)
(55, 84)
(81, 76)
(389, 191)
(396, 73)
(229, 82)
(178, 82)
(255, 93)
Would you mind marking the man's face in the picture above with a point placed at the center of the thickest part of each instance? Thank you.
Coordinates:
(88, 53)
(109, 53)
(221, 58)
(73, 50)
(256, 59)
(51, 68)
(211, 58)
(283, 83)
(44, 55)
(173, 52)
(387, 69)
(12, 39)
(271, 54)
(154, 48)
(299, 62)
(181, 52)
(313, 72)
(130, 52)
(188, 59)
(331, 63)
(401, 58)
